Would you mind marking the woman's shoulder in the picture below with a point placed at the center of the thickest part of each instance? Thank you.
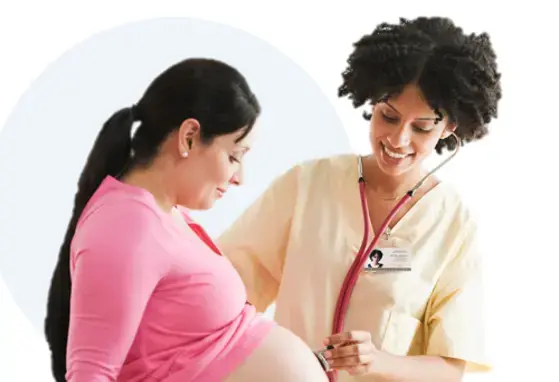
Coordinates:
(115, 208)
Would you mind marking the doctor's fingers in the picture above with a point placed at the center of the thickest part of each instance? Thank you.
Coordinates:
(348, 337)
(350, 350)
(351, 362)
(358, 370)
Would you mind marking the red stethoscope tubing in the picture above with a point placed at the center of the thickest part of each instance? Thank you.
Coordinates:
(361, 257)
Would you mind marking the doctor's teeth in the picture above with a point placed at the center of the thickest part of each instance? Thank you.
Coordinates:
(394, 155)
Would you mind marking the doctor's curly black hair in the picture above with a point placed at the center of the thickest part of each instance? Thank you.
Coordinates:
(456, 73)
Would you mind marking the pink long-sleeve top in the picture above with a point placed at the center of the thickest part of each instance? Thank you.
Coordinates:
(150, 300)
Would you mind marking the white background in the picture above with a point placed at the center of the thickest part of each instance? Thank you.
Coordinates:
(507, 179)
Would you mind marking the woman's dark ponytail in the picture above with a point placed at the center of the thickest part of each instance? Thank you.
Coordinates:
(109, 156)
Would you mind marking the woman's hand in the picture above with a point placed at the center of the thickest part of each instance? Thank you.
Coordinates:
(352, 352)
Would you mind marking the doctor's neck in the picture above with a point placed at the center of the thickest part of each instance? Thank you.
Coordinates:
(389, 186)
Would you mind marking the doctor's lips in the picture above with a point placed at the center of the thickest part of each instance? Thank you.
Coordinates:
(393, 153)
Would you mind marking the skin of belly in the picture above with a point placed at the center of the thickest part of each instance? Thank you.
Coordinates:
(281, 357)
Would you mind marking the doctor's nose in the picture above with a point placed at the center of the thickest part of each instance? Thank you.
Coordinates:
(401, 137)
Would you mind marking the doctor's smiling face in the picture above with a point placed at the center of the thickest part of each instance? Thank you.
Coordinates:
(404, 131)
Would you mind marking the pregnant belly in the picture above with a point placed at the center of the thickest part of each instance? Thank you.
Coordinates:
(282, 356)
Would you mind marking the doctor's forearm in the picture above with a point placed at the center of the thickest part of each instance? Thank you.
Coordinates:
(418, 369)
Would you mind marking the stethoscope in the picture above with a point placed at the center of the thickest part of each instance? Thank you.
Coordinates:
(362, 255)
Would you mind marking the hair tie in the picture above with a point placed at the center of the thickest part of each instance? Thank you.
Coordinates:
(134, 112)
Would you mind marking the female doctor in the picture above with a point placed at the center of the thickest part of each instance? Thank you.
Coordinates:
(428, 84)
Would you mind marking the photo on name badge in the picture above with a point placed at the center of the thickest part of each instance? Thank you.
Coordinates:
(388, 259)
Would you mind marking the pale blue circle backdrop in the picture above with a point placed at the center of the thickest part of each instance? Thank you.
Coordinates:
(47, 137)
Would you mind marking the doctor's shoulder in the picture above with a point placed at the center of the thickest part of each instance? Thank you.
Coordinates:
(326, 171)
(464, 223)
(325, 178)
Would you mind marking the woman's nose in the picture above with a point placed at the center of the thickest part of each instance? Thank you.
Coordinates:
(237, 178)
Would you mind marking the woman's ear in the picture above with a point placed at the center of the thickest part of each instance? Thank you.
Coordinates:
(188, 133)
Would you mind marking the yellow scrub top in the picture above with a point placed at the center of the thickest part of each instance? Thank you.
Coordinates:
(296, 242)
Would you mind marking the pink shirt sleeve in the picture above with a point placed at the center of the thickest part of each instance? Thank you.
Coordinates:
(115, 269)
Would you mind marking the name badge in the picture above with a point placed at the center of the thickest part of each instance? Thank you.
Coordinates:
(388, 259)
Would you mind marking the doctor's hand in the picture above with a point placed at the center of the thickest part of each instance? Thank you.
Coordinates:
(352, 352)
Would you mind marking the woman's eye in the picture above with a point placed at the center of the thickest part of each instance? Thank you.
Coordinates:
(232, 159)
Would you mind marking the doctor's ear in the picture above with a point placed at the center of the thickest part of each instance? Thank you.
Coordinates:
(449, 129)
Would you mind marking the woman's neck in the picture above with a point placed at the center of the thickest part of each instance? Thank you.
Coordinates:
(154, 183)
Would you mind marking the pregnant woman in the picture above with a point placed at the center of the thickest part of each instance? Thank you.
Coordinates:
(140, 292)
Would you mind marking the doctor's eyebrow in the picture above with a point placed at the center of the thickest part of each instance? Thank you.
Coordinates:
(419, 119)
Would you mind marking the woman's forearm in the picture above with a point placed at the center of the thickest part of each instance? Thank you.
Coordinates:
(391, 368)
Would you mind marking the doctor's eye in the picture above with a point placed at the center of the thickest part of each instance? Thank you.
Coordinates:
(421, 129)
(389, 119)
